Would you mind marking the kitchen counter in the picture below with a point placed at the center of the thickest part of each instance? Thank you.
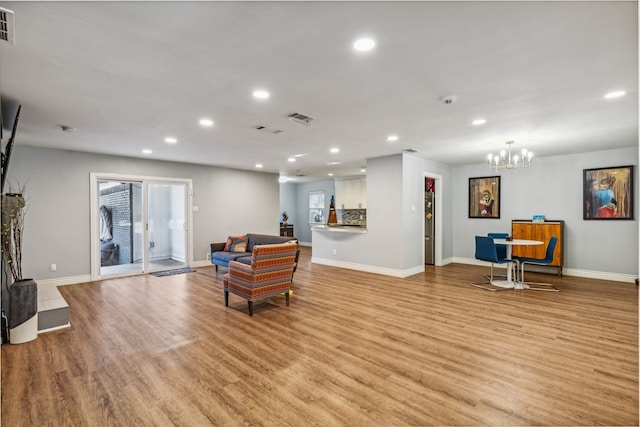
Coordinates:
(341, 228)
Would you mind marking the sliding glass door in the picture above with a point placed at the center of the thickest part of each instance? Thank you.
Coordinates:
(120, 232)
(139, 226)
(166, 231)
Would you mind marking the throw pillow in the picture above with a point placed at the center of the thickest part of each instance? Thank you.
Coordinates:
(229, 241)
(238, 244)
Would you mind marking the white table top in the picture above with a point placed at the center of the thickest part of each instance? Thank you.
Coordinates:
(517, 242)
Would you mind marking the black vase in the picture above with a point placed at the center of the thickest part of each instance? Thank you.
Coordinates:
(23, 311)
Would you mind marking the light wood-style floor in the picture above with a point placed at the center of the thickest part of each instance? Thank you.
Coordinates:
(352, 349)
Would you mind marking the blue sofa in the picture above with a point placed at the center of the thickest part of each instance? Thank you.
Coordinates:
(220, 257)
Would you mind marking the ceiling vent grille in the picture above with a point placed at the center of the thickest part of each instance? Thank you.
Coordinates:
(266, 129)
(303, 119)
(411, 150)
(6, 26)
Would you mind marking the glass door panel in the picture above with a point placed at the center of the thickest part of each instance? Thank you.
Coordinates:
(120, 227)
(166, 226)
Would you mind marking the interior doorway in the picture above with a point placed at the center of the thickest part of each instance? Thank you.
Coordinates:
(140, 225)
(433, 219)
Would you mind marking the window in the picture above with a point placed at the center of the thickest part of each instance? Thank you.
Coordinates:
(316, 207)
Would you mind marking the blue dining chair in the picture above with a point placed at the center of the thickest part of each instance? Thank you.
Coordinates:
(548, 259)
(501, 250)
(486, 251)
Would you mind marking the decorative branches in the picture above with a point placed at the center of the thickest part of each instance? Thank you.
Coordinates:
(12, 215)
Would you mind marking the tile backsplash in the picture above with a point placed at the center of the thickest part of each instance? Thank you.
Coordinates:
(352, 216)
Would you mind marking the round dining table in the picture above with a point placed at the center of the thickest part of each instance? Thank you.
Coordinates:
(513, 282)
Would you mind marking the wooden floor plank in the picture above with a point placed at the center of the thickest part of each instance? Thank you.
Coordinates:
(353, 348)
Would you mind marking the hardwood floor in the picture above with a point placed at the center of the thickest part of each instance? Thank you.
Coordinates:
(352, 349)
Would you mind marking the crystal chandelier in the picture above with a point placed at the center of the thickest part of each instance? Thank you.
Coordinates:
(507, 161)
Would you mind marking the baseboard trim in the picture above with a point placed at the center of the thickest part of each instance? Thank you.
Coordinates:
(369, 268)
(62, 281)
(55, 328)
(589, 274)
(304, 243)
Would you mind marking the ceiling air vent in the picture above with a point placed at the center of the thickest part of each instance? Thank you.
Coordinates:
(411, 150)
(6, 26)
(266, 129)
(303, 119)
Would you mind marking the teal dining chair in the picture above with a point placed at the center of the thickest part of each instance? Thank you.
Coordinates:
(548, 259)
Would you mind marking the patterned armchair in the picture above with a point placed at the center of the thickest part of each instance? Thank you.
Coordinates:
(270, 273)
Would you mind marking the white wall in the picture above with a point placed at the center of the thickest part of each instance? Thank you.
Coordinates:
(302, 229)
(380, 249)
(553, 187)
(394, 240)
(289, 204)
(57, 229)
(236, 202)
(414, 171)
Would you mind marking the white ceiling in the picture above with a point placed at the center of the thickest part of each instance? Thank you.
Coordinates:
(128, 74)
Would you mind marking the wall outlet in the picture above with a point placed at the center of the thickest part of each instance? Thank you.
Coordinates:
(53, 267)
(335, 252)
(208, 256)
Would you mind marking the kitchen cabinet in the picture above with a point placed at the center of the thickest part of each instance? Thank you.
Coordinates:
(351, 193)
(542, 231)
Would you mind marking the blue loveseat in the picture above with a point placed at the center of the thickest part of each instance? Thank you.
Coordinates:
(220, 257)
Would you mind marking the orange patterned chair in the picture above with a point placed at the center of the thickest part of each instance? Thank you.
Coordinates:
(270, 273)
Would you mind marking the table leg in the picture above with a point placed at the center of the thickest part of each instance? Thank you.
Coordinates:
(509, 283)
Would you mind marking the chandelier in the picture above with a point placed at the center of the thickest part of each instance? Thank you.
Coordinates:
(507, 161)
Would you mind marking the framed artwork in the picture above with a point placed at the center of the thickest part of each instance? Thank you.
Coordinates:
(484, 197)
(608, 193)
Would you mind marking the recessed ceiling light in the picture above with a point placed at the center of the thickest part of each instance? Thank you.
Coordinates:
(335, 150)
(615, 94)
(170, 140)
(300, 155)
(478, 122)
(206, 123)
(283, 179)
(330, 174)
(291, 159)
(147, 151)
(259, 165)
(364, 44)
(333, 163)
(260, 94)
(392, 138)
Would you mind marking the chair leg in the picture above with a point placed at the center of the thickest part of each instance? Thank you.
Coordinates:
(250, 308)
(493, 276)
(547, 285)
(226, 298)
(286, 298)
(490, 279)
(530, 284)
(497, 288)
(216, 268)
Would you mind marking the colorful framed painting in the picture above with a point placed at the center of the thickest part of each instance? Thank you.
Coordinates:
(484, 197)
(608, 193)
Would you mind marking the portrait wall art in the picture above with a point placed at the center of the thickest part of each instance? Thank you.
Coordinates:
(608, 193)
(484, 197)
